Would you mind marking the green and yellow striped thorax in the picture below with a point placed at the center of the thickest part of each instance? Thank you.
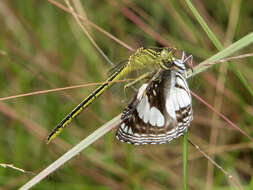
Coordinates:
(149, 59)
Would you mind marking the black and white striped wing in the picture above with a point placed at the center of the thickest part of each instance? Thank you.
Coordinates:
(159, 113)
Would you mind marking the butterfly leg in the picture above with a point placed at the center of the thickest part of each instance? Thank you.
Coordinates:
(190, 57)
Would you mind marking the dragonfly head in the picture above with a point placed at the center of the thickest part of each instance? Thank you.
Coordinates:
(167, 54)
(167, 57)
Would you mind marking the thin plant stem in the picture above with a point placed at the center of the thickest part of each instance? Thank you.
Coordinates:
(186, 160)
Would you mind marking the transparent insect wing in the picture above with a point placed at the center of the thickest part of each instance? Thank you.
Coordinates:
(160, 112)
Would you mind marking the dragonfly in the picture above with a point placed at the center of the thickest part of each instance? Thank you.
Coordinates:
(149, 61)
(161, 110)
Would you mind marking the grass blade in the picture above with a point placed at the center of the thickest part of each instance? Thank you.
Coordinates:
(238, 45)
(202, 22)
(217, 44)
(72, 152)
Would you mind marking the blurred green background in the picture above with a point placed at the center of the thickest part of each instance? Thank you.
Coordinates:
(42, 47)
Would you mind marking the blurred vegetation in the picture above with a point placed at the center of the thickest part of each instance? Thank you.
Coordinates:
(42, 47)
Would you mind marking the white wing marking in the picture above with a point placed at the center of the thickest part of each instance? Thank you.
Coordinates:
(171, 100)
(140, 108)
(156, 117)
(152, 116)
(178, 97)
(141, 91)
(130, 131)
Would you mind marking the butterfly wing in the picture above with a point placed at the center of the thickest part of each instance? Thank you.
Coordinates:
(160, 112)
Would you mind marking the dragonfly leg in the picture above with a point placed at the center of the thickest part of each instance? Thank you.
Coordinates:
(130, 84)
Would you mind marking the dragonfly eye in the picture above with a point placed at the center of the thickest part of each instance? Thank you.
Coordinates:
(166, 55)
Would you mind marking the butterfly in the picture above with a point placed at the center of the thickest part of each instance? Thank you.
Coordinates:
(161, 110)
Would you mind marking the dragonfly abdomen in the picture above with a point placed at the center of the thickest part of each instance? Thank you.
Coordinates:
(87, 101)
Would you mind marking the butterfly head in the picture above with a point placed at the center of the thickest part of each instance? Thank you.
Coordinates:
(179, 65)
